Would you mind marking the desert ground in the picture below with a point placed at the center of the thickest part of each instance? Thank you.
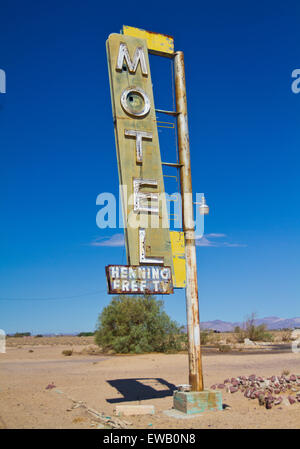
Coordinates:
(88, 380)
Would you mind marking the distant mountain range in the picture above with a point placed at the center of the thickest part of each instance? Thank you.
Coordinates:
(272, 322)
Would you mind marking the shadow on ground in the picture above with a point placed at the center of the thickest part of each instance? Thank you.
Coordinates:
(140, 389)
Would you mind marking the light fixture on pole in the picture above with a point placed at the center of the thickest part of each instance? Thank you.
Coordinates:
(203, 207)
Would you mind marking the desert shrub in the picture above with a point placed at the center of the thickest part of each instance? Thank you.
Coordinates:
(230, 338)
(22, 334)
(67, 352)
(241, 336)
(183, 338)
(286, 336)
(259, 333)
(91, 350)
(204, 335)
(38, 336)
(224, 348)
(137, 324)
(86, 334)
(213, 338)
(252, 331)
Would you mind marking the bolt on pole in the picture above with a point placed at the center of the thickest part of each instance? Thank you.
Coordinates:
(192, 306)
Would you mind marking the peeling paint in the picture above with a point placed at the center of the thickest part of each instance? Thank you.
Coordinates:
(126, 279)
(194, 402)
(194, 347)
(157, 43)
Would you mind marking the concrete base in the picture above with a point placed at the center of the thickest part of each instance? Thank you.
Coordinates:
(128, 410)
(192, 402)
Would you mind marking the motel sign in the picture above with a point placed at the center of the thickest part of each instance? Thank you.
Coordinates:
(140, 171)
(147, 236)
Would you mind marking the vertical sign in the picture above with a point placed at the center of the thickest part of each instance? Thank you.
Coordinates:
(147, 236)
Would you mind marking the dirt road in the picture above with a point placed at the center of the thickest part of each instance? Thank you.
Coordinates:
(105, 381)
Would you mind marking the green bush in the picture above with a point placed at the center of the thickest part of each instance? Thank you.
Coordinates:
(137, 324)
(253, 332)
(86, 334)
(22, 334)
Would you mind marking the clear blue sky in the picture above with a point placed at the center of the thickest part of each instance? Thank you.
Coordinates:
(58, 153)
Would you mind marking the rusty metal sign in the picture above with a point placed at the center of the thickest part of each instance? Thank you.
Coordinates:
(146, 225)
(126, 279)
(157, 43)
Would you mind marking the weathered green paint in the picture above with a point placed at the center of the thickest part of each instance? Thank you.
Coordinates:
(193, 402)
(157, 239)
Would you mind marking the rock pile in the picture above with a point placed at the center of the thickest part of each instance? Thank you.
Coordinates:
(267, 391)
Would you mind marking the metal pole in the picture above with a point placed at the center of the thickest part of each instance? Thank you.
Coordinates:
(192, 307)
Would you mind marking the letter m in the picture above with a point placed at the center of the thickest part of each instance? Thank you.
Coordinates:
(2, 82)
(139, 56)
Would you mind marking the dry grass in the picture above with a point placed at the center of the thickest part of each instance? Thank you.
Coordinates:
(232, 338)
(91, 350)
(215, 339)
(49, 341)
(67, 352)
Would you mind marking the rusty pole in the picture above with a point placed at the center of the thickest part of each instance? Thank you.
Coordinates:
(192, 307)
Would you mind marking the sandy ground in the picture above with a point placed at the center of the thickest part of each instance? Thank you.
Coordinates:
(103, 382)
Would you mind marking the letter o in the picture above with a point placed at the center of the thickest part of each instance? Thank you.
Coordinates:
(130, 109)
